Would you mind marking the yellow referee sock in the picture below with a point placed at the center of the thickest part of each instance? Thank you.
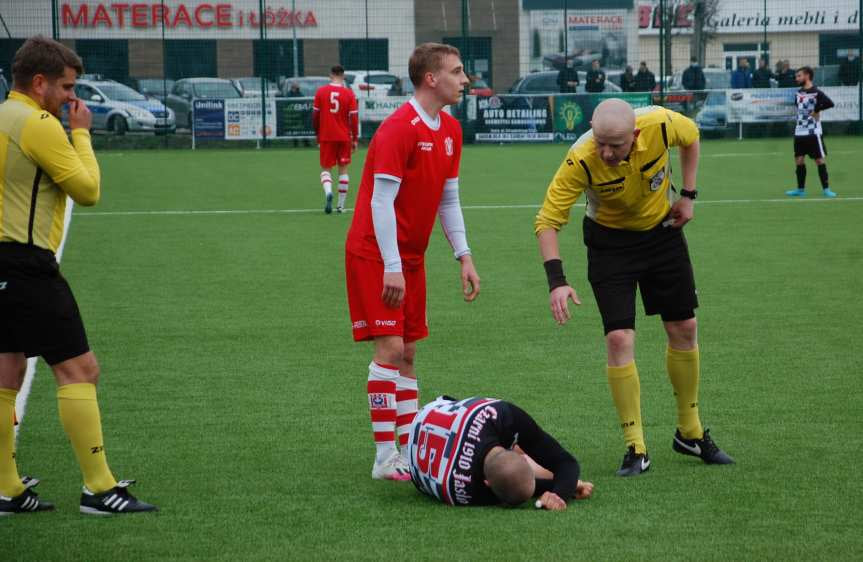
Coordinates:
(79, 413)
(683, 371)
(10, 481)
(626, 391)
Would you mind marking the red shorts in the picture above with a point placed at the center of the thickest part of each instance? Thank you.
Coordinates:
(335, 153)
(370, 317)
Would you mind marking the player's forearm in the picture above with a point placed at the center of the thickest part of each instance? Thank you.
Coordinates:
(689, 163)
(548, 245)
(452, 219)
(384, 222)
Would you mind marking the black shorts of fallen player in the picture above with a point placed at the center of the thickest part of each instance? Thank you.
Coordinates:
(656, 262)
(38, 313)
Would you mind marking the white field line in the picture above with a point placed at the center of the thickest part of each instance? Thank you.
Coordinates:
(30, 373)
(814, 199)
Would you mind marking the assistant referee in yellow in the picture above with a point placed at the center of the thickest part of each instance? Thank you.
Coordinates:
(634, 238)
(39, 167)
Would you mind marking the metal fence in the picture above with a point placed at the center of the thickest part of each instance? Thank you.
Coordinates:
(207, 73)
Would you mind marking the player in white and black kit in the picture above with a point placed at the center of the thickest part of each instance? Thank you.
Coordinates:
(484, 451)
(808, 135)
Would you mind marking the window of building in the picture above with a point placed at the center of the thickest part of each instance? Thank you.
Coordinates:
(362, 54)
(275, 58)
(190, 58)
(108, 58)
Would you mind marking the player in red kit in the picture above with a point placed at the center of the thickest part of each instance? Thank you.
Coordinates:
(410, 177)
(336, 122)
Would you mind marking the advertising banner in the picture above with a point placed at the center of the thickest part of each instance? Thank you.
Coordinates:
(572, 111)
(208, 120)
(761, 105)
(586, 35)
(243, 118)
(294, 118)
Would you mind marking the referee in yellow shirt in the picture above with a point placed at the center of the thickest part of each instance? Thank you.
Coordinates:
(39, 168)
(634, 238)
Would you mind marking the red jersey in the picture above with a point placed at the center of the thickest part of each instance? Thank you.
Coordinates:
(406, 148)
(335, 116)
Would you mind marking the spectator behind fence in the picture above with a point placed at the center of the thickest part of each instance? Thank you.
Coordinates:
(742, 77)
(761, 77)
(645, 81)
(786, 77)
(595, 81)
(567, 79)
(693, 77)
(295, 91)
(627, 80)
(397, 89)
(849, 70)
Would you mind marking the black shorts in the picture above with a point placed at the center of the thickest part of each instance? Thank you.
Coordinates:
(811, 145)
(38, 313)
(656, 261)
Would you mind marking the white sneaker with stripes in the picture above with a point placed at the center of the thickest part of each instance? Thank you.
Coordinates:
(115, 501)
(393, 468)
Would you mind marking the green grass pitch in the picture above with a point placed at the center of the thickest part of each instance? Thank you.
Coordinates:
(232, 391)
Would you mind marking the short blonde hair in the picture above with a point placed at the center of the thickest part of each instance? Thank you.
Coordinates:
(428, 57)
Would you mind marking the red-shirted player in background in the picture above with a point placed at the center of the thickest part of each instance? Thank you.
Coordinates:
(410, 176)
(336, 124)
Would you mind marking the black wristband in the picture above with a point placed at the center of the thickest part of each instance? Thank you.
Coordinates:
(554, 273)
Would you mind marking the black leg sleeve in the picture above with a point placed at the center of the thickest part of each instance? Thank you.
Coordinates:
(822, 173)
(801, 176)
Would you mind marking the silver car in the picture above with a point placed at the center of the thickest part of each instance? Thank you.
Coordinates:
(118, 108)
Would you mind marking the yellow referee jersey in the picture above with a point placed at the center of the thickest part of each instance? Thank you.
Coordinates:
(635, 194)
(38, 168)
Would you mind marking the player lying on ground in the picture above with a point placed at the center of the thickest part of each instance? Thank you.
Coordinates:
(484, 451)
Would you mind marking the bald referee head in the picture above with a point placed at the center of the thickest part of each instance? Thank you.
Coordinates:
(614, 130)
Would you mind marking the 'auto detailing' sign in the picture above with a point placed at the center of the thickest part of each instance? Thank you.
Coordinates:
(189, 15)
(750, 17)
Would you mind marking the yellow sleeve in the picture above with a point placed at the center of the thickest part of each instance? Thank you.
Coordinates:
(682, 131)
(73, 168)
(562, 193)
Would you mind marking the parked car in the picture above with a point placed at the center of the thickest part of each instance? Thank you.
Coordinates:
(479, 87)
(118, 108)
(152, 87)
(250, 86)
(546, 83)
(308, 85)
(187, 89)
(713, 116)
(375, 83)
(714, 79)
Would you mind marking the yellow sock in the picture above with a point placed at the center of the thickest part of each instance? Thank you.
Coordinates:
(626, 391)
(10, 481)
(683, 371)
(79, 413)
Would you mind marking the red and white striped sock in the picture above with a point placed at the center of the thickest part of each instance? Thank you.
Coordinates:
(343, 190)
(381, 389)
(406, 409)
(327, 182)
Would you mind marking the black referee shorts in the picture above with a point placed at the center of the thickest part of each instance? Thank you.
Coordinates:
(38, 313)
(656, 261)
(810, 145)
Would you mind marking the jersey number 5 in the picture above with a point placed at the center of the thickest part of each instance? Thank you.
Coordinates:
(431, 444)
(334, 102)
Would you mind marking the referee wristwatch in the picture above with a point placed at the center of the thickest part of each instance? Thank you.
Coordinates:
(689, 193)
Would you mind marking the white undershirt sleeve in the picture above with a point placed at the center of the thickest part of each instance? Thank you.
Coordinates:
(384, 221)
(452, 220)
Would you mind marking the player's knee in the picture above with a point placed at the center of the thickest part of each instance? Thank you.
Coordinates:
(682, 334)
(619, 341)
(390, 350)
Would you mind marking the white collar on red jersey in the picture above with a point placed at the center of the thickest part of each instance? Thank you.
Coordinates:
(433, 124)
